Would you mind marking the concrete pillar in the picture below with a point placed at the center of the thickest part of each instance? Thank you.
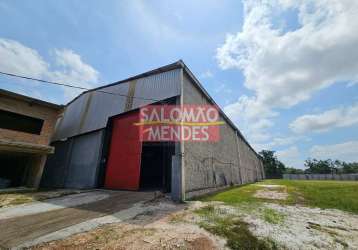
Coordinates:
(36, 168)
(176, 189)
(240, 181)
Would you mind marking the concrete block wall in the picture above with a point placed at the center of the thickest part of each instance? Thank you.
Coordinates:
(250, 165)
(210, 166)
(47, 114)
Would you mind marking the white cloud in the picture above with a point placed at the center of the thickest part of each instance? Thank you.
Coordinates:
(19, 59)
(277, 141)
(339, 117)
(288, 140)
(290, 157)
(149, 22)
(223, 89)
(72, 70)
(253, 119)
(285, 67)
(347, 151)
(68, 67)
(207, 74)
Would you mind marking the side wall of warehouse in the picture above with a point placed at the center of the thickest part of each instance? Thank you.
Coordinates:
(76, 163)
(210, 166)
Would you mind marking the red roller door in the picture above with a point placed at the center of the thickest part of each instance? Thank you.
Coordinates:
(123, 166)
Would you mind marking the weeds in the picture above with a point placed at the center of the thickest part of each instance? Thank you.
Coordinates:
(233, 229)
(341, 195)
(272, 216)
(236, 195)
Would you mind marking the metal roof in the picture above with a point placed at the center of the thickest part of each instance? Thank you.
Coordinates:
(170, 67)
(90, 110)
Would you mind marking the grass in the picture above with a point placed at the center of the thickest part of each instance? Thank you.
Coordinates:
(341, 195)
(236, 195)
(17, 198)
(235, 231)
(272, 216)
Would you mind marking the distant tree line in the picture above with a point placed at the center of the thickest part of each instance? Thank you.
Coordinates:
(275, 168)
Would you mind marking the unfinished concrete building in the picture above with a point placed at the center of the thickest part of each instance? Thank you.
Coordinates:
(26, 126)
(94, 146)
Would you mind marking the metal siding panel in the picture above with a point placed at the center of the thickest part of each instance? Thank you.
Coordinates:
(101, 106)
(69, 124)
(159, 87)
(55, 169)
(85, 159)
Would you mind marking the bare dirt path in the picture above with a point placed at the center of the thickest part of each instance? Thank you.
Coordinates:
(14, 231)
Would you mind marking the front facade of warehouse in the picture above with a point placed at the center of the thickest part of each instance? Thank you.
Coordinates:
(97, 145)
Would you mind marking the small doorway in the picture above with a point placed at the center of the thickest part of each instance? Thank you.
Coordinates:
(156, 165)
(14, 169)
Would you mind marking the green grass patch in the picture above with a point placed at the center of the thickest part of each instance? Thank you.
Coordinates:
(234, 230)
(25, 196)
(341, 195)
(236, 195)
(272, 216)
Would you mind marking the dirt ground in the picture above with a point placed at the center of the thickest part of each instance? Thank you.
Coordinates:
(92, 222)
(12, 199)
(62, 221)
(272, 192)
(166, 225)
(161, 225)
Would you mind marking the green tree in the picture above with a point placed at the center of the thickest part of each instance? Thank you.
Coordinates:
(349, 168)
(290, 170)
(315, 166)
(273, 167)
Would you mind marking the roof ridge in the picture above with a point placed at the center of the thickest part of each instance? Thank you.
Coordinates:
(165, 68)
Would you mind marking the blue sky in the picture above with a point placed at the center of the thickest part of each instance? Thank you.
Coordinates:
(276, 68)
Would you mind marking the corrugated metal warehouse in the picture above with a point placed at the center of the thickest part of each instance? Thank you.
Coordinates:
(95, 147)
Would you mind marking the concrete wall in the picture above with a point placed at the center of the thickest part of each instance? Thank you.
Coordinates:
(251, 166)
(210, 166)
(47, 114)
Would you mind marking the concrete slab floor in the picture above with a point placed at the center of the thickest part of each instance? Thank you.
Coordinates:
(52, 204)
(17, 230)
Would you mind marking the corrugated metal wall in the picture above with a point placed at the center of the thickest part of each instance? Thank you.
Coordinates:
(75, 163)
(54, 173)
(84, 163)
(78, 138)
(91, 110)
